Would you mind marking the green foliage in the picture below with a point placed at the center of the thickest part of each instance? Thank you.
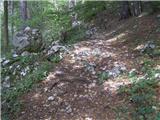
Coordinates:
(30, 59)
(132, 74)
(14, 67)
(142, 93)
(75, 34)
(10, 96)
(56, 21)
(89, 9)
(158, 116)
(55, 58)
(155, 5)
(18, 86)
(53, 20)
(103, 76)
(142, 97)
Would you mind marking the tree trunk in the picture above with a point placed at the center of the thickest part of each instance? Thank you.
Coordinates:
(23, 12)
(6, 38)
(124, 10)
(28, 14)
(11, 13)
(136, 8)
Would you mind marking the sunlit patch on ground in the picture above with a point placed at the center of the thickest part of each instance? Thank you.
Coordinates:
(115, 85)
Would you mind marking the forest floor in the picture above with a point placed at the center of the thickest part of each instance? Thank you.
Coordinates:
(72, 91)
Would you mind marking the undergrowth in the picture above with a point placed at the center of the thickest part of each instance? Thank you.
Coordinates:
(10, 103)
(103, 76)
(142, 94)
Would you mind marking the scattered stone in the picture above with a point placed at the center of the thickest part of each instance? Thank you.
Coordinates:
(23, 72)
(18, 66)
(6, 83)
(45, 89)
(90, 67)
(133, 72)
(76, 24)
(60, 84)
(135, 26)
(27, 29)
(68, 109)
(51, 98)
(27, 68)
(25, 53)
(116, 70)
(157, 75)
(80, 96)
(14, 55)
(142, 77)
(59, 72)
(158, 16)
(23, 112)
(34, 31)
(88, 118)
(55, 48)
(10, 67)
(5, 62)
(96, 52)
(90, 32)
(75, 95)
(92, 85)
(148, 47)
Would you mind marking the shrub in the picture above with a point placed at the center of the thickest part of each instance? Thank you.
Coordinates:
(142, 94)
(9, 97)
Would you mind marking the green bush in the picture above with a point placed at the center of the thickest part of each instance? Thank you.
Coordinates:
(142, 94)
(9, 97)
(89, 9)
(75, 34)
(102, 77)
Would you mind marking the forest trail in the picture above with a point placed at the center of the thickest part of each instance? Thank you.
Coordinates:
(72, 90)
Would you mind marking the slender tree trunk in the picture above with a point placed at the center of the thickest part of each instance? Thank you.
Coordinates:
(23, 12)
(136, 8)
(124, 10)
(11, 13)
(6, 38)
(12, 26)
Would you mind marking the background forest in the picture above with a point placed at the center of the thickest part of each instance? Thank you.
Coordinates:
(112, 47)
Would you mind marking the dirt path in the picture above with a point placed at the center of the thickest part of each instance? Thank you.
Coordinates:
(72, 90)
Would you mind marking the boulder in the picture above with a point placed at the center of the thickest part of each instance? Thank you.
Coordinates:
(90, 32)
(28, 40)
(148, 48)
(118, 69)
(54, 48)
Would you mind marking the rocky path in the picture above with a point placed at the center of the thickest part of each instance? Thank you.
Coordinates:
(73, 91)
